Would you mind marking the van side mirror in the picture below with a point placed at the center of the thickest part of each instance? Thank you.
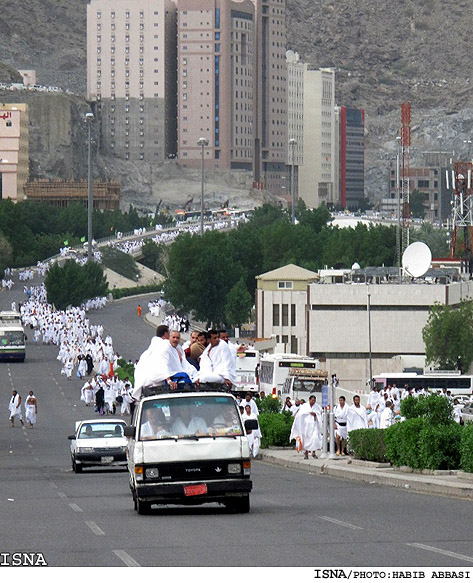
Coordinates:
(71, 437)
(129, 431)
(251, 424)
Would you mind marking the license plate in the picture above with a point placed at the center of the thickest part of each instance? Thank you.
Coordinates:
(107, 459)
(195, 490)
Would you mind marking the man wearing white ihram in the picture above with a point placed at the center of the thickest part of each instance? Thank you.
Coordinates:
(216, 363)
(356, 416)
(307, 426)
(340, 412)
(155, 367)
(15, 408)
(31, 409)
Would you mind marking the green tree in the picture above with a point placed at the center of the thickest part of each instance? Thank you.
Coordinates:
(238, 304)
(72, 284)
(6, 253)
(416, 204)
(434, 237)
(448, 336)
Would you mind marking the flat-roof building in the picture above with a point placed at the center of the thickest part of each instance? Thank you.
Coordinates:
(338, 323)
(14, 150)
(131, 76)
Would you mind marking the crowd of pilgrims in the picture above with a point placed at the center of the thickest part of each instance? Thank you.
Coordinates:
(83, 348)
(133, 246)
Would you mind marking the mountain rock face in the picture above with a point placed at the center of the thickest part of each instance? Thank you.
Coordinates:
(384, 53)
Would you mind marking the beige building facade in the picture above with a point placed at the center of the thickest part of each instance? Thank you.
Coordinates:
(14, 150)
(317, 176)
(281, 298)
(131, 76)
(216, 44)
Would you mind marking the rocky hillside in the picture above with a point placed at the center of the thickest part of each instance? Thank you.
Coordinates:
(384, 52)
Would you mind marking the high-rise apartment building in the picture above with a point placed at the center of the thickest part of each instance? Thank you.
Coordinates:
(131, 76)
(271, 137)
(216, 74)
(317, 176)
(351, 157)
(14, 150)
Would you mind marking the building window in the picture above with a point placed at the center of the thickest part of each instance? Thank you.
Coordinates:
(285, 315)
(275, 314)
(284, 284)
(293, 314)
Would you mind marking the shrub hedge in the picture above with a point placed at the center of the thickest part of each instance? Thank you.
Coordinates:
(134, 291)
(466, 448)
(275, 428)
(368, 444)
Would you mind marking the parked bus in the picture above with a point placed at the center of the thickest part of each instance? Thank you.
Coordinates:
(12, 337)
(452, 380)
(274, 370)
(246, 371)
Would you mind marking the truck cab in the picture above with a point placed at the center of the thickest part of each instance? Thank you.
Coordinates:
(300, 384)
(189, 448)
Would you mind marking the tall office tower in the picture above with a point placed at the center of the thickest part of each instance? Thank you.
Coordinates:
(215, 83)
(352, 157)
(131, 75)
(271, 135)
(317, 176)
(14, 150)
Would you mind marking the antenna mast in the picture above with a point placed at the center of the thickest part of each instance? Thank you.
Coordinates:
(405, 145)
(462, 213)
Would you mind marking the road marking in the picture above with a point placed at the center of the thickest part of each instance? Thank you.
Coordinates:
(75, 507)
(125, 557)
(62, 495)
(340, 523)
(441, 552)
(95, 528)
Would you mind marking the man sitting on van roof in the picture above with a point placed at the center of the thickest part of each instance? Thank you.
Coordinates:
(157, 364)
(216, 362)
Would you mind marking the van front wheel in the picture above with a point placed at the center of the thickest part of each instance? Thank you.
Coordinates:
(239, 505)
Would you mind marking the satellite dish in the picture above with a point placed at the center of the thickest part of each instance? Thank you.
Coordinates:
(416, 259)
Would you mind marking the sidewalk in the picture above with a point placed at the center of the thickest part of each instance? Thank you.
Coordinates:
(446, 483)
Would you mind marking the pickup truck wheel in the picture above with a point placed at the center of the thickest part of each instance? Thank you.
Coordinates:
(239, 505)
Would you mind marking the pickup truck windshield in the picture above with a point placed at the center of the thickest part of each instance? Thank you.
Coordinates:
(206, 416)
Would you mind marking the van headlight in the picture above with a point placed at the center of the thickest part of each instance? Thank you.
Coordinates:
(151, 473)
(85, 450)
(234, 468)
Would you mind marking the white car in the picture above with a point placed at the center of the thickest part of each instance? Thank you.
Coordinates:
(98, 442)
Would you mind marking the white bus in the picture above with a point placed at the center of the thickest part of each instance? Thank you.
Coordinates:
(274, 370)
(12, 337)
(246, 371)
(451, 380)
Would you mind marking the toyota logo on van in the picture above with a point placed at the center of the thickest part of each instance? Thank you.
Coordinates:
(193, 470)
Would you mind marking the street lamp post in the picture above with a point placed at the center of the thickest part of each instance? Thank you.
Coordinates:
(90, 201)
(293, 144)
(202, 143)
(398, 196)
(369, 340)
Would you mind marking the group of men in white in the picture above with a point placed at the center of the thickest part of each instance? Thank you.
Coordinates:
(383, 408)
(164, 362)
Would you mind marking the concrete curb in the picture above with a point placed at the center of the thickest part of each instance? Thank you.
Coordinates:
(444, 485)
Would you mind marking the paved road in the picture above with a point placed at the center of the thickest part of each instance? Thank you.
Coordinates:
(296, 518)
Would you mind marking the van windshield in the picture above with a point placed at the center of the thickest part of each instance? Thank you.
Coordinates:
(206, 416)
